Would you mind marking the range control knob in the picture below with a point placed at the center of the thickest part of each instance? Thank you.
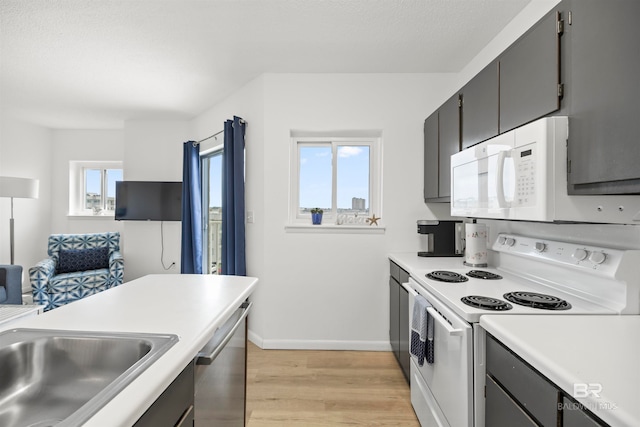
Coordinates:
(510, 241)
(597, 257)
(580, 254)
(540, 247)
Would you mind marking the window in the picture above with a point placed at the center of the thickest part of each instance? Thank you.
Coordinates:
(211, 171)
(340, 175)
(92, 187)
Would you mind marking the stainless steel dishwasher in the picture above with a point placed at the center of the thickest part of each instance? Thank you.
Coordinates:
(221, 374)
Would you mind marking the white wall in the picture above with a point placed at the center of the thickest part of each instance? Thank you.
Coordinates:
(248, 103)
(25, 152)
(328, 290)
(80, 145)
(152, 152)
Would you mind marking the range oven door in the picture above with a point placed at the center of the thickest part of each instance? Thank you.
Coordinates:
(442, 392)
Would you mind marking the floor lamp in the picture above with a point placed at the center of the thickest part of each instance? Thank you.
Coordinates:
(20, 188)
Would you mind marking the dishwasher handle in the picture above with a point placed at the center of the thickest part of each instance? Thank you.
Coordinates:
(206, 359)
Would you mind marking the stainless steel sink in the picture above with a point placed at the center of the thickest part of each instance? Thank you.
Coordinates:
(62, 378)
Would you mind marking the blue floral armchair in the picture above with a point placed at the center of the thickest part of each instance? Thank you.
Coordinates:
(79, 265)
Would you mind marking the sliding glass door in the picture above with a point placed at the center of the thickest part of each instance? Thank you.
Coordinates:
(212, 210)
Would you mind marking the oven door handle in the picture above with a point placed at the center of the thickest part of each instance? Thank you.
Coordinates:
(434, 313)
(443, 322)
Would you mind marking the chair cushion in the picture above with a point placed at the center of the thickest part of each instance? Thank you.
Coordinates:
(82, 260)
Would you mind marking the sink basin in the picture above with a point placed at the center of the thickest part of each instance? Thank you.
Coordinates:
(62, 378)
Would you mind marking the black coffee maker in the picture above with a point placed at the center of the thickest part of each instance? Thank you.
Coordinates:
(440, 238)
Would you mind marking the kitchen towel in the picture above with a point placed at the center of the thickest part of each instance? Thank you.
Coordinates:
(421, 331)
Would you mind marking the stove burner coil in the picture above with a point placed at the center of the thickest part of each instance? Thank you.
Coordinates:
(486, 303)
(485, 275)
(446, 276)
(535, 300)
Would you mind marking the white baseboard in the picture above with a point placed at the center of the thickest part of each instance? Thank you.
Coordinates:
(269, 344)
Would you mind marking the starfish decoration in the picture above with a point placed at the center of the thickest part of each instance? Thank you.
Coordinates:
(373, 220)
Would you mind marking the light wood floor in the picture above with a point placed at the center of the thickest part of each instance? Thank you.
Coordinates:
(326, 388)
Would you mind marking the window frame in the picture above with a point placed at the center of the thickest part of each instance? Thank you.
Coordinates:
(78, 186)
(375, 175)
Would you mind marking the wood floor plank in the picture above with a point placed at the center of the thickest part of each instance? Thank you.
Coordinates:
(326, 388)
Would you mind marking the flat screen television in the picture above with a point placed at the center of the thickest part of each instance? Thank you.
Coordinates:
(148, 201)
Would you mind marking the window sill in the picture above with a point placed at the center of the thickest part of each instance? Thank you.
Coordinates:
(84, 216)
(334, 229)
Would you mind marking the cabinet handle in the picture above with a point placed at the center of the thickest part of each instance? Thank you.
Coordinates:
(184, 416)
(206, 359)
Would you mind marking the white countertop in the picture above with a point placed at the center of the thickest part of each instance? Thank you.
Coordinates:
(190, 306)
(410, 261)
(568, 350)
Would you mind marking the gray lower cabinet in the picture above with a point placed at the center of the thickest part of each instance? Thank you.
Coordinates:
(518, 395)
(174, 407)
(399, 317)
(534, 394)
(530, 75)
(480, 107)
(575, 415)
(441, 140)
(602, 64)
(501, 410)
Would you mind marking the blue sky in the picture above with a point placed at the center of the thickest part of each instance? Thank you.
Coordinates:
(215, 181)
(315, 176)
(94, 179)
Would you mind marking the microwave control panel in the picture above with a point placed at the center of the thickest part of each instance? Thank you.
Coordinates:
(525, 171)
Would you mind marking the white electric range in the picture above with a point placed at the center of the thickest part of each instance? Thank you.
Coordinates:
(529, 276)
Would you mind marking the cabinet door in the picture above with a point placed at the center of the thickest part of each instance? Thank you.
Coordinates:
(533, 391)
(574, 415)
(480, 107)
(501, 410)
(405, 340)
(175, 405)
(530, 75)
(394, 317)
(431, 157)
(449, 143)
(603, 68)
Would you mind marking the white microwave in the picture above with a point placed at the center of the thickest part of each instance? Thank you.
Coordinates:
(522, 175)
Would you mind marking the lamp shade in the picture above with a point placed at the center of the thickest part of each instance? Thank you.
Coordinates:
(23, 188)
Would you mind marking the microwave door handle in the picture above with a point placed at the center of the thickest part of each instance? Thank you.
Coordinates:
(502, 157)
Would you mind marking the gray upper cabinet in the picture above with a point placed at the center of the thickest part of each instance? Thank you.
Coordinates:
(530, 75)
(602, 64)
(431, 157)
(480, 107)
(441, 140)
(449, 125)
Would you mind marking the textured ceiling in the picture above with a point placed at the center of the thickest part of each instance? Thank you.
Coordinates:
(96, 63)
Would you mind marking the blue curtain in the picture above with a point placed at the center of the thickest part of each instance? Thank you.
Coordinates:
(191, 254)
(233, 233)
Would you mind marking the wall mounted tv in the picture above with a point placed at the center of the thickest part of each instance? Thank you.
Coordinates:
(148, 201)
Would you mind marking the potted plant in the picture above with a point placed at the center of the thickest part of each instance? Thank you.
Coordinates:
(316, 216)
